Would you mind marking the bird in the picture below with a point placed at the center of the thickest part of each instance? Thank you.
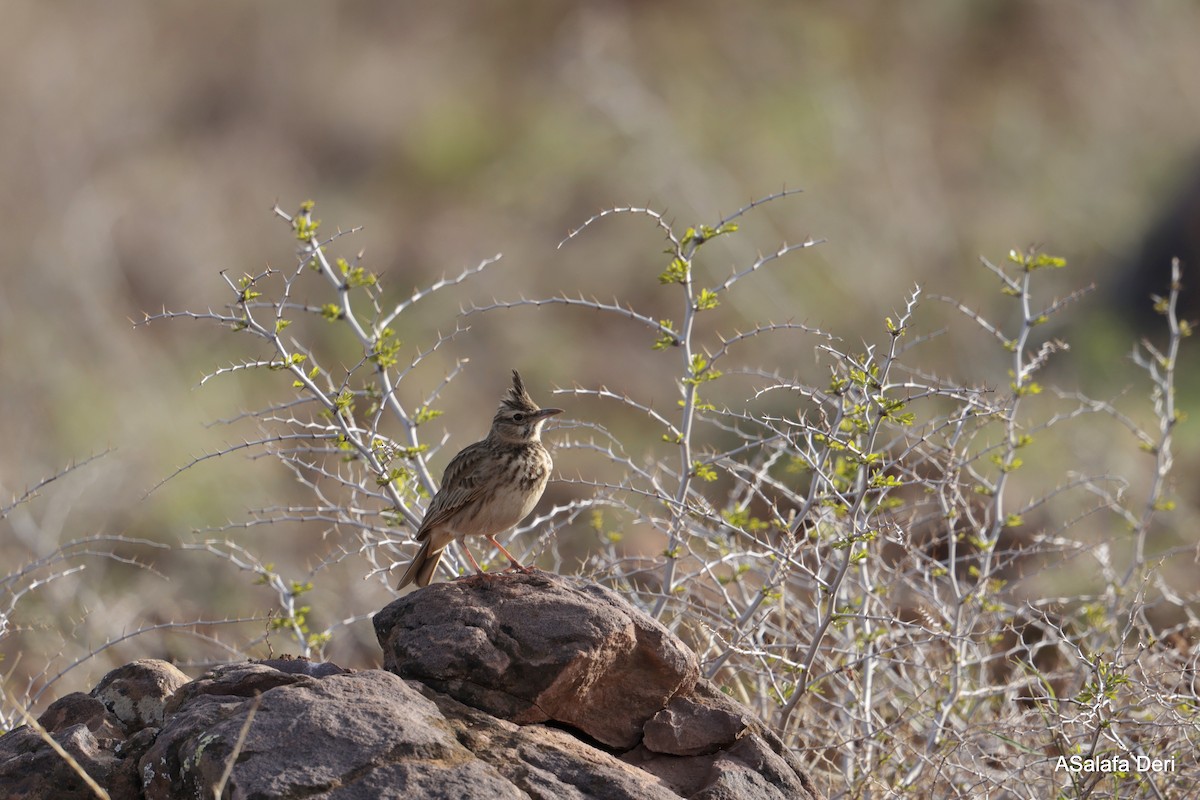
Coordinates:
(487, 488)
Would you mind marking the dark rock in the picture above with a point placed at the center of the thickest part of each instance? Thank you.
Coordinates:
(358, 735)
(535, 648)
(89, 733)
(697, 724)
(485, 665)
(298, 665)
(80, 709)
(546, 762)
(138, 692)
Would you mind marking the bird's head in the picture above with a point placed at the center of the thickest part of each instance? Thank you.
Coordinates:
(518, 419)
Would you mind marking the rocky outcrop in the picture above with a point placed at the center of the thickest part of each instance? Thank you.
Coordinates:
(105, 732)
(514, 686)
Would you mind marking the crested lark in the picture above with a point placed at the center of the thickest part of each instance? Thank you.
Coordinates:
(488, 487)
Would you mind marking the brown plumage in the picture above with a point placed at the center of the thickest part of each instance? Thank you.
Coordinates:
(488, 487)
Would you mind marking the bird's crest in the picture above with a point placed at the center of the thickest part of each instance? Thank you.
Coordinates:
(517, 398)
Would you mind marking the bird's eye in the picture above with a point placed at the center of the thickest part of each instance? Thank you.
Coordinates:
(518, 417)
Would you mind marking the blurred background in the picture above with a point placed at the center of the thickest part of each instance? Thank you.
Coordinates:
(144, 146)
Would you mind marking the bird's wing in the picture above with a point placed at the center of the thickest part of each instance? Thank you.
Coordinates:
(461, 484)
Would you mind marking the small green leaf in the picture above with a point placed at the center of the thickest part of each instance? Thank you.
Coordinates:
(306, 227)
(425, 414)
(358, 277)
(883, 481)
(699, 371)
(387, 349)
(676, 272)
(1042, 261)
(666, 335)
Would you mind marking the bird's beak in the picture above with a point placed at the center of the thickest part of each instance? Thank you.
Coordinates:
(542, 413)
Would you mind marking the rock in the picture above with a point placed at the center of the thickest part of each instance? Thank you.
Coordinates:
(534, 648)
(697, 724)
(349, 735)
(94, 737)
(137, 692)
(545, 762)
(515, 686)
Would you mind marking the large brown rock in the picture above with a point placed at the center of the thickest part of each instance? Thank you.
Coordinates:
(539, 648)
(513, 686)
(535, 648)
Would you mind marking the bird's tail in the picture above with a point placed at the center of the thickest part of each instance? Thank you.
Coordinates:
(423, 565)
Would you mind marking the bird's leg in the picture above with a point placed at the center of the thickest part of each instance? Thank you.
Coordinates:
(515, 565)
(478, 569)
